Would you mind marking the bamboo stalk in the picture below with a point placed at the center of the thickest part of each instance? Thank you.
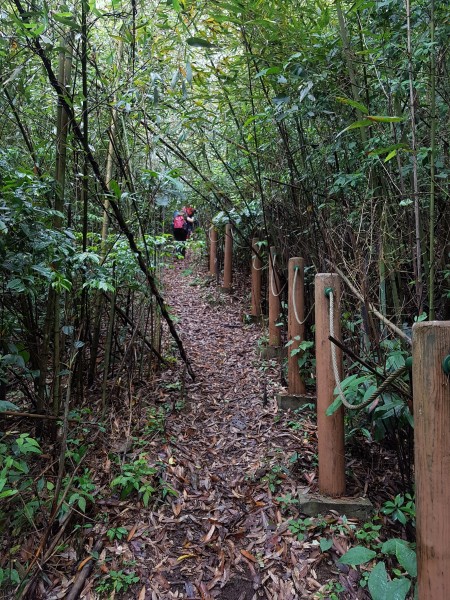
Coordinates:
(370, 306)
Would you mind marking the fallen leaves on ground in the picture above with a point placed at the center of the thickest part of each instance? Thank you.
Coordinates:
(232, 467)
(228, 456)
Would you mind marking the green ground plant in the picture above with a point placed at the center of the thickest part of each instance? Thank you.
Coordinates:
(298, 527)
(116, 533)
(137, 476)
(330, 591)
(117, 581)
(402, 509)
(82, 488)
(20, 497)
(306, 359)
(274, 477)
(390, 566)
(143, 479)
(380, 584)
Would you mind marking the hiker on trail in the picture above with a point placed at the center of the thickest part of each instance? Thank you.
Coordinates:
(189, 212)
(180, 230)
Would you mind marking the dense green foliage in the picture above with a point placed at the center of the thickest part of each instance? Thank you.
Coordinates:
(321, 127)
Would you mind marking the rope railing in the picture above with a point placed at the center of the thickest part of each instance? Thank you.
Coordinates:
(233, 237)
(209, 236)
(294, 301)
(257, 268)
(272, 278)
(392, 377)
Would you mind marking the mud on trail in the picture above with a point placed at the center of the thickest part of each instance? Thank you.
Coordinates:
(235, 465)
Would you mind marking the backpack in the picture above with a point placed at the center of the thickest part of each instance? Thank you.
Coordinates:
(179, 222)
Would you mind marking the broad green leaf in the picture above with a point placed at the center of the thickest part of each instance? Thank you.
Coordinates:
(225, 19)
(387, 149)
(35, 29)
(13, 359)
(405, 555)
(398, 589)
(353, 103)
(13, 75)
(93, 8)
(383, 119)
(390, 155)
(188, 72)
(43, 270)
(378, 582)
(251, 119)
(407, 558)
(382, 589)
(268, 71)
(196, 42)
(8, 493)
(369, 120)
(355, 125)
(114, 187)
(5, 405)
(357, 556)
(333, 407)
(325, 544)
(66, 19)
(16, 285)
(173, 83)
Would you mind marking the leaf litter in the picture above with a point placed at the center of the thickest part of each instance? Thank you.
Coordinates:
(228, 455)
(230, 468)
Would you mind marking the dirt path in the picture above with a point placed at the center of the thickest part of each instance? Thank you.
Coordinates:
(224, 536)
(229, 456)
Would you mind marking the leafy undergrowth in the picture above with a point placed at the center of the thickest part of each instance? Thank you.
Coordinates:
(194, 494)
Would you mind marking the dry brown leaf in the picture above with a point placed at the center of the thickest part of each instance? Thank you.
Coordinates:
(176, 508)
(204, 592)
(142, 593)
(83, 562)
(209, 535)
(249, 556)
(313, 583)
(132, 532)
(340, 545)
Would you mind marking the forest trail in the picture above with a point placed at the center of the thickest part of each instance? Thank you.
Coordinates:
(228, 455)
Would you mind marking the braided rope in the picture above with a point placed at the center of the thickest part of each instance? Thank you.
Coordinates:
(294, 303)
(233, 237)
(337, 379)
(272, 278)
(254, 258)
(209, 236)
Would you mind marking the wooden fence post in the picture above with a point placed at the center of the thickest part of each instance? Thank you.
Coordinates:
(228, 259)
(274, 301)
(256, 280)
(330, 429)
(431, 385)
(212, 251)
(296, 327)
